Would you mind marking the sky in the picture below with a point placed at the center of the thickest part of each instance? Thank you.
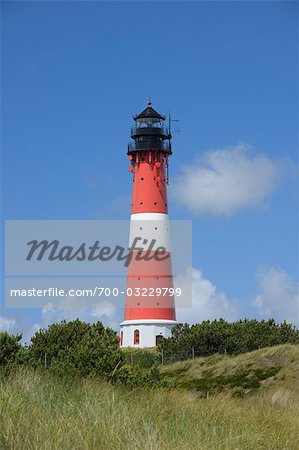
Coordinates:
(74, 73)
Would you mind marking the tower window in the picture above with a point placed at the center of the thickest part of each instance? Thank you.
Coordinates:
(136, 337)
(121, 338)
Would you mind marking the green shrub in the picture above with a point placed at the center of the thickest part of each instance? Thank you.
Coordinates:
(245, 379)
(10, 348)
(142, 357)
(76, 348)
(219, 336)
(136, 376)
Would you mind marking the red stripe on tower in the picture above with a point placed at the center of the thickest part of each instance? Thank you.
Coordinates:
(149, 309)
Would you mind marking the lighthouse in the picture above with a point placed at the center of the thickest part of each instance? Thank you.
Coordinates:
(149, 309)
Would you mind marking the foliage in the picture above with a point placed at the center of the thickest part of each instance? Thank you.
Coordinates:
(239, 375)
(80, 349)
(219, 336)
(136, 376)
(10, 348)
(245, 379)
(76, 348)
(142, 357)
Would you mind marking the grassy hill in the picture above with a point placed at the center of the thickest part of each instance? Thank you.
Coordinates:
(274, 366)
(252, 402)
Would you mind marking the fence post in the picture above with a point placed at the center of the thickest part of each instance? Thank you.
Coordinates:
(192, 352)
(162, 357)
(225, 352)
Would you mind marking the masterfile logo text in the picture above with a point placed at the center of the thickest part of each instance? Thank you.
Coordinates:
(73, 254)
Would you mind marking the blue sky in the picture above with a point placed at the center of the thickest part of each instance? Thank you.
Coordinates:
(73, 73)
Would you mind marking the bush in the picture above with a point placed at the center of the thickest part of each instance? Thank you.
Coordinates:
(219, 336)
(10, 348)
(142, 357)
(136, 376)
(76, 348)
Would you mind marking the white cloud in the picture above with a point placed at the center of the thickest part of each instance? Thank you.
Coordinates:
(7, 324)
(225, 181)
(207, 301)
(103, 308)
(103, 311)
(278, 296)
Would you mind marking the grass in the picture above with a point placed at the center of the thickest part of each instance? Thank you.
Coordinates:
(274, 365)
(40, 411)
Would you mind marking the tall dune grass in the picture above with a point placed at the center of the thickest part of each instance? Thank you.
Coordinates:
(39, 411)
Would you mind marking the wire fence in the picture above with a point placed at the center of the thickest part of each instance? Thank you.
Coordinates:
(148, 358)
(144, 358)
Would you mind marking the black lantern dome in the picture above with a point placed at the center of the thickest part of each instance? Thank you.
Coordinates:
(149, 133)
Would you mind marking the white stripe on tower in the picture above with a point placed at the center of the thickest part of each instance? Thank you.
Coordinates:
(149, 227)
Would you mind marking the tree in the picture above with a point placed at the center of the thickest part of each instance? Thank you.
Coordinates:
(10, 347)
(76, 348)
(219, 336)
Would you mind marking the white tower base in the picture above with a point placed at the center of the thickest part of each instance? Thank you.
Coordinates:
(150, 332)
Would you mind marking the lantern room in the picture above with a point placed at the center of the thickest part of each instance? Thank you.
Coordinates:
(149, 132)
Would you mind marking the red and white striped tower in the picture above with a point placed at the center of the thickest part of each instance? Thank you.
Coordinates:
(149, 316)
